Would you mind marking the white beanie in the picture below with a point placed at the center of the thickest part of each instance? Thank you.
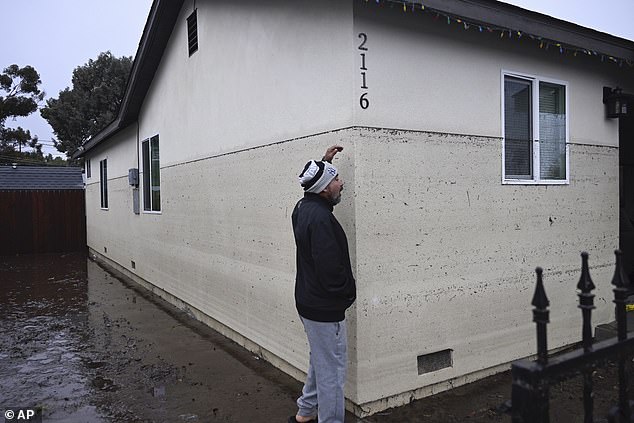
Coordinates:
(316, 176)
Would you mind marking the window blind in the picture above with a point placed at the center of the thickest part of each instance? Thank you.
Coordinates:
(552, 131)
(518, 139)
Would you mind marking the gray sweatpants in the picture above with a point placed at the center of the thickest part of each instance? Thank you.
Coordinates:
(323, 391)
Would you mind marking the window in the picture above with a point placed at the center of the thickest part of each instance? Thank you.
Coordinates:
(192, 33)
(151, 175)
(535, 130)
(103, 182)
(87, 168)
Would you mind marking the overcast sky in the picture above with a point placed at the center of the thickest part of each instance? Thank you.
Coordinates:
(611, 16)
(56, 36)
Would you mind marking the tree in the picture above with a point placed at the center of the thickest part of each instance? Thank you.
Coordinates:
(19, 97)
(54, 161)
(93, 102)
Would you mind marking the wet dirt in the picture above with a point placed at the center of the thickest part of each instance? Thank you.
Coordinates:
(85, 346)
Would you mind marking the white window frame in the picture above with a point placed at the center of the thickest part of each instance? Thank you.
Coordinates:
(149, 141)
(101, 185)
(535, 80)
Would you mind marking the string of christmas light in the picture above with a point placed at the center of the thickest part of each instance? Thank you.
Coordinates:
(544, 43)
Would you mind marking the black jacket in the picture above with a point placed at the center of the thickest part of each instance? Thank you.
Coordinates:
(324, 286)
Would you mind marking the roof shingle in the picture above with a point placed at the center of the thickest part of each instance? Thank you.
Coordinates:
(40, 178)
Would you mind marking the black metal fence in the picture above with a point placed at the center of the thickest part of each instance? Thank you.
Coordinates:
(532, 379)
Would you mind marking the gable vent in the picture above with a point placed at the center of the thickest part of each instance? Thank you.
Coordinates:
(192, 33)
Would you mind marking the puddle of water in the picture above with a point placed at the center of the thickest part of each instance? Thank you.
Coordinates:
(87, 347)
(43, 315)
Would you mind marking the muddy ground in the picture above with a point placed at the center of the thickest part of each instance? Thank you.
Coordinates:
(86, 347)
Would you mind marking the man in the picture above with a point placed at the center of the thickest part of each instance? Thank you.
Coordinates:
(324, 289)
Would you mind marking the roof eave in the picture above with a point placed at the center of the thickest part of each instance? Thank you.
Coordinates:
(158, 29)
(104, 134)
(515, 18)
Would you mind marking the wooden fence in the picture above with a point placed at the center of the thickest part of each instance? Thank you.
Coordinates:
(34, 221)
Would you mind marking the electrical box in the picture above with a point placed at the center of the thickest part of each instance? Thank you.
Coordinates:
(133, 177)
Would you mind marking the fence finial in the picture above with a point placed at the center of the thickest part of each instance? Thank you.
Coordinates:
(586, 302)
(585, 284)
(540, 301)
(541, 317)
(620, 279)
(621, 292)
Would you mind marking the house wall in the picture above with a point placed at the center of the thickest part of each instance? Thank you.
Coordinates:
(236, 122)
(221, 248)
(423, 74)
(113, 232)
(445, 252)
(446, 257)
(257, 78)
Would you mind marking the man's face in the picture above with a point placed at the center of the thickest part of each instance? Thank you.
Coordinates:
(333, 190)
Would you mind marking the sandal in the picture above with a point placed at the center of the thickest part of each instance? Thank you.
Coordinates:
(292, 419)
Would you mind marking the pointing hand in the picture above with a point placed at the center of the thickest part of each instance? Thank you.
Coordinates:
(330, 153)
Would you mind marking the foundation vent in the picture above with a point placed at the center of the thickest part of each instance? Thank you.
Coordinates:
(435, 361)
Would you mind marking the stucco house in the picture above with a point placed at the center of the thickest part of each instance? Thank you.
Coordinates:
(477, 147)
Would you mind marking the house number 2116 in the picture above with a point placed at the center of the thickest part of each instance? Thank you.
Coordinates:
(364, 102)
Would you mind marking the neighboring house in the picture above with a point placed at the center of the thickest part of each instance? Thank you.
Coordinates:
(41, 209)
(477, 147)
